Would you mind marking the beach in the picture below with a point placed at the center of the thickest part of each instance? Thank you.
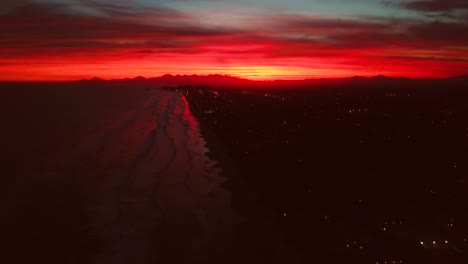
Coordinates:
(110, 174)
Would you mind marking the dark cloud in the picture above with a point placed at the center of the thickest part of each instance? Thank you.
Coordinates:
(317, 37)
(407, 35)
(310, 23)
(440, 32)
(436, 5)
(424, 58)
(34, 27)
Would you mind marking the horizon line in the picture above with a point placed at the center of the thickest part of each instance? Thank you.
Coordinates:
(236, 77)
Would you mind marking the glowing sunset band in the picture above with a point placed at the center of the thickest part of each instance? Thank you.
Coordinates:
(152, 66)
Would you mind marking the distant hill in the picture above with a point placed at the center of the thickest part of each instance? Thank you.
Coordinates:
(214, 80)
(218, 80)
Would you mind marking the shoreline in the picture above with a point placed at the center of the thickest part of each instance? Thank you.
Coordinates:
(257, 222)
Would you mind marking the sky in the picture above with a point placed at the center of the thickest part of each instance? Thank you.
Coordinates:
(264, 39)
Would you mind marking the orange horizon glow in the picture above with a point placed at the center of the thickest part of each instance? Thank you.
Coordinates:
(239, 62)
(284, 69)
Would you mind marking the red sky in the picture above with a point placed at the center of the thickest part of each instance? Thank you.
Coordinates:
(265, 39)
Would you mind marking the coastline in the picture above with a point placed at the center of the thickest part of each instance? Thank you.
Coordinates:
(257, 227)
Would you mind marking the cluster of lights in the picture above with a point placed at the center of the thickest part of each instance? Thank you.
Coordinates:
(390, 262)
(431, 191)
(433, 243)
(359, 110)
(392, 223)
(355, 245)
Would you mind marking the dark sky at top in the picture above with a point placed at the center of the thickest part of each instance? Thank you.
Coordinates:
(264, 39)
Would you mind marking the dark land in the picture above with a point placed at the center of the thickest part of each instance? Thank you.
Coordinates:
(356, 170)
